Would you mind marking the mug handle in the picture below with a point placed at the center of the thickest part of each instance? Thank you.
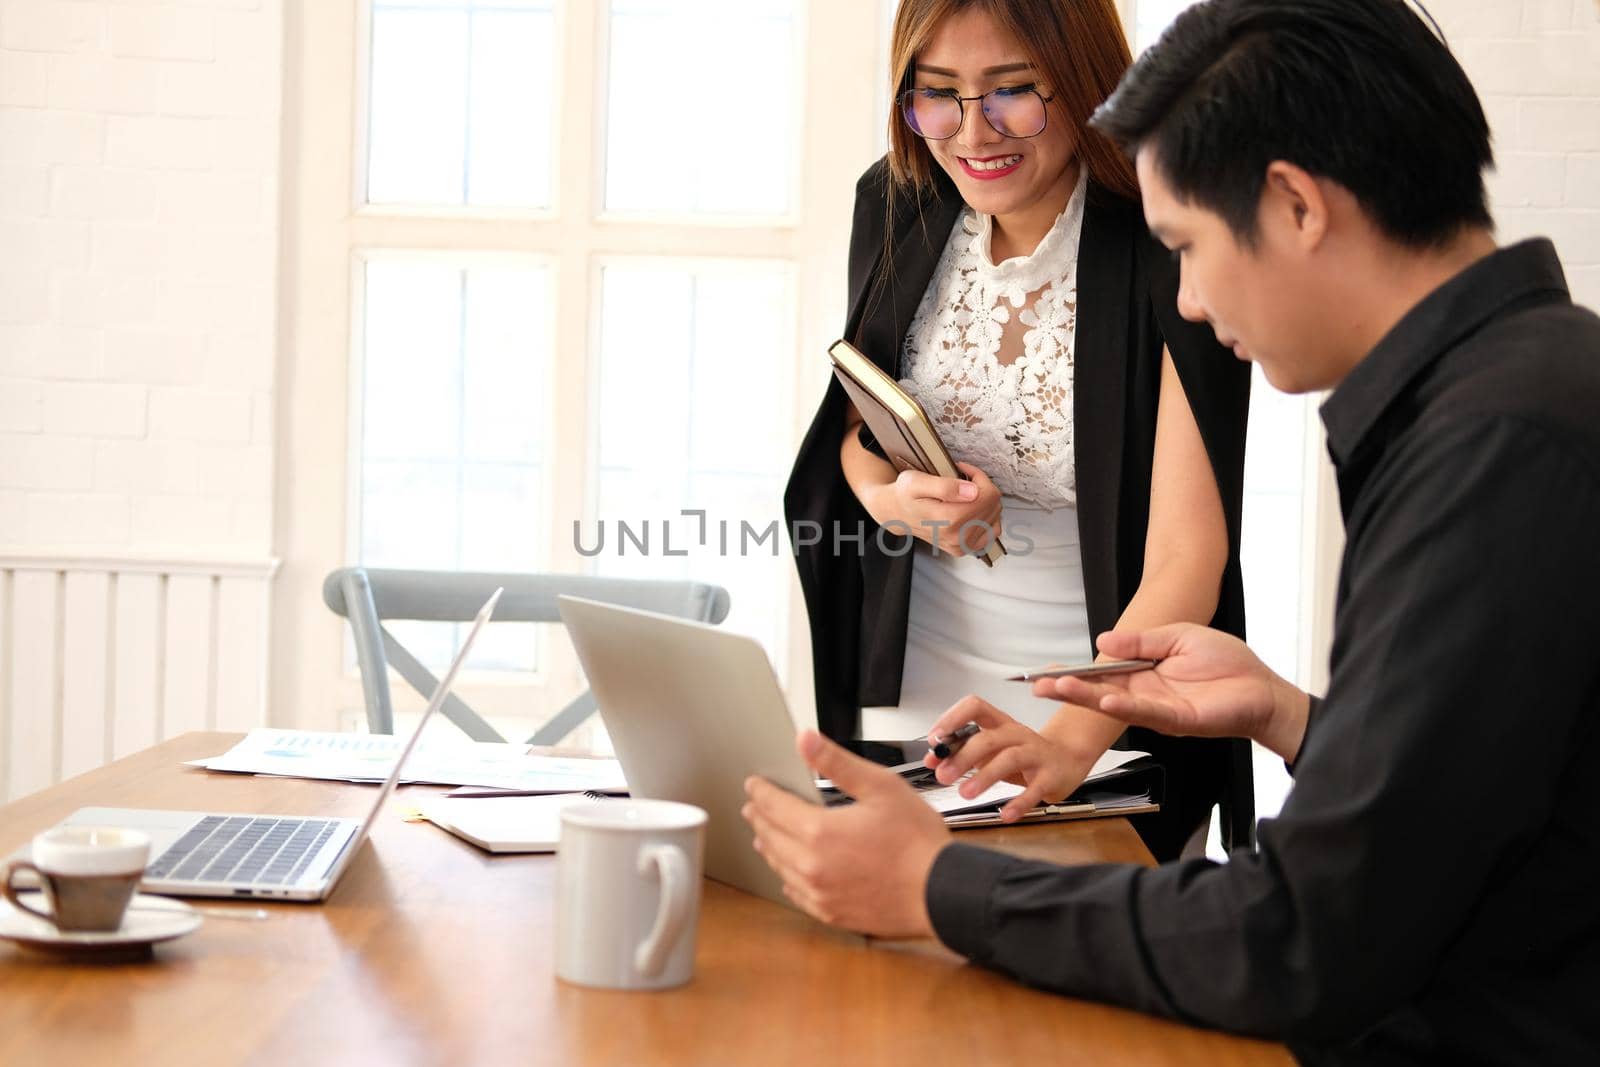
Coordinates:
(11, 893)
(672, 915)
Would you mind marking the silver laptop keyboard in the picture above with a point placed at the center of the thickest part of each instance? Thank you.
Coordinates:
(243, 850)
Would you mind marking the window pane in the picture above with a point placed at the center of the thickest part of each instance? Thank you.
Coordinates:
(407, 514)
(1151, 17)
(462, 103)
(723, 68)
(694, 412)
(737, 425)
(507, 320)
(454, 398)
(1274, 474)
(512, 110)
(1271, 552)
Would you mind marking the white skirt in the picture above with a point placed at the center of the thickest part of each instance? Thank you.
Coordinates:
(970, 625)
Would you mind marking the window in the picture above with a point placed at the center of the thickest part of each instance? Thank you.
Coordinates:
(573, 266)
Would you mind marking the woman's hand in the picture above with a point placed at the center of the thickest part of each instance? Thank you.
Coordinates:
(1006, 750)
(944, 512)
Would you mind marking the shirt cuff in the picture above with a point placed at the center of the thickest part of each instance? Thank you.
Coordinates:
(1313, 705)
(957, 897)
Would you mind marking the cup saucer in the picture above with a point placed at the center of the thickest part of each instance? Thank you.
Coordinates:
(149, 920)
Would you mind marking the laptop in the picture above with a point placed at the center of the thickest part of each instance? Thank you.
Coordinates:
(692, 711)
(284, 857)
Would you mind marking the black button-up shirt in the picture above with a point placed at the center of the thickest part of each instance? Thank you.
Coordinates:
(1431, 890)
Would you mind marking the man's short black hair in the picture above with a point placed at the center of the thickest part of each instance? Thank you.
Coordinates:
(1356, 91)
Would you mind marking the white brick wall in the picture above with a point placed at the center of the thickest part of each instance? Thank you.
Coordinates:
(139, 157)
(1536, 64)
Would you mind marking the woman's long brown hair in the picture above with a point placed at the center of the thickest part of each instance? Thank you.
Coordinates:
(1078, 51)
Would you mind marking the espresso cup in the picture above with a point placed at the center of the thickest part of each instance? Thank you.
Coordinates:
(628, 893)
(88, 873)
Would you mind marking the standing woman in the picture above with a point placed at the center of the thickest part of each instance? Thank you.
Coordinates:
(1001, 270)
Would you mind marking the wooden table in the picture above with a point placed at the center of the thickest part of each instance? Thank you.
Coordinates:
(433, 952)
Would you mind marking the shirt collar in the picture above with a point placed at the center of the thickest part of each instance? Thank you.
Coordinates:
(1443, 317)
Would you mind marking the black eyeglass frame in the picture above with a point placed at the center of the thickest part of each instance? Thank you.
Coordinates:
(905, 96)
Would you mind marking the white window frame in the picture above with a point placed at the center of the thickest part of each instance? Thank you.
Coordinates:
(328, 228)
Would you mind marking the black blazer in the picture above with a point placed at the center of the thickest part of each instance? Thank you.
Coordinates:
(857, 595)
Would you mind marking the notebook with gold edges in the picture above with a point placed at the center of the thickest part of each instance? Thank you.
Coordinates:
(901, 427)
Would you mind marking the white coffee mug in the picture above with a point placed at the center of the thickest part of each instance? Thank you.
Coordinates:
(628, 893)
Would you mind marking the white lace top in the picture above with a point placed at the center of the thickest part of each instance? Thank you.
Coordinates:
(989, 355)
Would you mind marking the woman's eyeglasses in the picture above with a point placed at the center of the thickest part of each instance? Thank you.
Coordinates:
(937, 114)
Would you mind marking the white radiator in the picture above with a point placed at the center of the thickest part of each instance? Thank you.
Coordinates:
(101, 657)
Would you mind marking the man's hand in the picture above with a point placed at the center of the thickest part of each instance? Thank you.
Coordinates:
(863, 866)
(1206, 684)
(1006, 750)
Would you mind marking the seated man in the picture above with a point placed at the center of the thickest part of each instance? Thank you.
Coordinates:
(1431, 890)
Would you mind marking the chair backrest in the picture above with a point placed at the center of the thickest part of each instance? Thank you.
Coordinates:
(369, 597)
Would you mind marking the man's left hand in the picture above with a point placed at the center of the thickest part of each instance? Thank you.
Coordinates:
(863, 866)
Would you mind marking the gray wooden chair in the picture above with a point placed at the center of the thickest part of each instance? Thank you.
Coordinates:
(369, 597)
